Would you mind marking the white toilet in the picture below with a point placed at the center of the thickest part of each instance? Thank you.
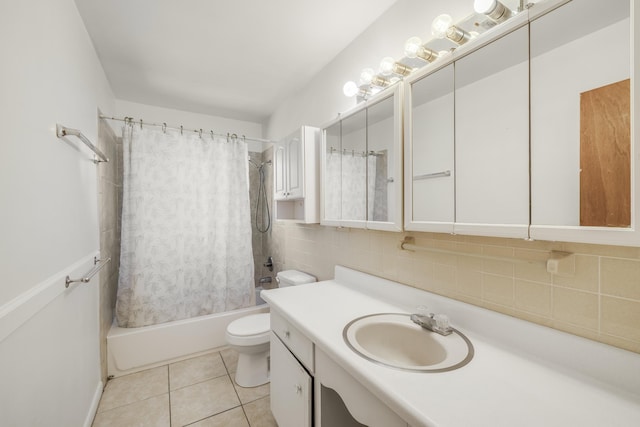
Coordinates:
(249, 336)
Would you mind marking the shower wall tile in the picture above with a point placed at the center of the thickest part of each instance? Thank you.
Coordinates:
(596, 293)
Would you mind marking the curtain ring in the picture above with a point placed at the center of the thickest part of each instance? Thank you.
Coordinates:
(140, 123)
(212, 135)
(200, 133)
(228, 136)
(181, 129)
(164, 127)
(244, 139)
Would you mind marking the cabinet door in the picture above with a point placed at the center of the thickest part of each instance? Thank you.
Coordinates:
(492, 138)
(581, 123)
(291, 388)
(383, 158)
(295, 166)
(354, 170)
(279, 172)
(429, 150)
(331, 175)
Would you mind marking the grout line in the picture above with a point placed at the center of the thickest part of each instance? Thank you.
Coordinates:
(169, 392)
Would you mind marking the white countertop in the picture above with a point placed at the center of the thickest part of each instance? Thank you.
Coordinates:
(522, 374)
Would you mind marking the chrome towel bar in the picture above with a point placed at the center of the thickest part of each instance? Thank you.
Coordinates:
(62, 131)
(432, 175)
(98, 264)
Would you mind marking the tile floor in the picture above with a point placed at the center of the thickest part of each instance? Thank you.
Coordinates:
(197, 392)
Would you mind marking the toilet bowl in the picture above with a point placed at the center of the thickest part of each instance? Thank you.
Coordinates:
(249, 336)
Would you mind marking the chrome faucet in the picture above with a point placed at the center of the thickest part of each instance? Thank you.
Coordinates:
(438, 323)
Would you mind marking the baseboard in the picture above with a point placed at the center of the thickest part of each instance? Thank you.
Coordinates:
(94, 405)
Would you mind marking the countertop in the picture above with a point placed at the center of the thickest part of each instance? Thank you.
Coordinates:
(522, 374)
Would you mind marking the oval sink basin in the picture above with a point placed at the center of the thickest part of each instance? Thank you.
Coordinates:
(392, 339)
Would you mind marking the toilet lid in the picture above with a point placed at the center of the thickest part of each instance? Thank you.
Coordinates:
(254, 324)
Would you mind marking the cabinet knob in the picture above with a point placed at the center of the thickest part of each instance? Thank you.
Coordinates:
(298, 388)
(287, 334)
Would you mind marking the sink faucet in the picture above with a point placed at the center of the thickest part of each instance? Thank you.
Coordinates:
(438, 323)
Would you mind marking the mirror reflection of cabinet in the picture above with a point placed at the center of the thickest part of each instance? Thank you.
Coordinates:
(429, 154)
(581, 123)
(362, 166)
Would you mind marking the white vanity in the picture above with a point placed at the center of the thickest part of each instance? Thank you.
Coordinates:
(521, 374)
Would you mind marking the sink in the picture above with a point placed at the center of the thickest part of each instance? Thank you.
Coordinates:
(392, 339)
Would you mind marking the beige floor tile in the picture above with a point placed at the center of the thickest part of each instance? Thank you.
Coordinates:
(134, 387)
(202, 400)
(230, 357)
(259, 413)
(232, 418)
(152, 412)
(195, 370)
(249, 394)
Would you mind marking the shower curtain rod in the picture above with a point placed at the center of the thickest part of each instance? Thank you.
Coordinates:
(182, 129)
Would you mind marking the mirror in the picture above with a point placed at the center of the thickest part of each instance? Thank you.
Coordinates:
(332, 172)
(430, 161)
(380, 159)
(492, 137)
(354, 167)
(580, 115)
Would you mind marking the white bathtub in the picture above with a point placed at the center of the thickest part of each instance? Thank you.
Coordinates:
(134, 349)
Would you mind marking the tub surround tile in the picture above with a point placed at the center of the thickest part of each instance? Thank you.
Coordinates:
(202, 400)
(152, 412)
(135, 387)
(232, 418)
(198, 369)
(259, 413)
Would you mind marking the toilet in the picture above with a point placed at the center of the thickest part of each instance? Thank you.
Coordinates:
(249, 336)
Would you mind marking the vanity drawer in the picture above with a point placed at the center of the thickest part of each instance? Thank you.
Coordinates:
(295, 341)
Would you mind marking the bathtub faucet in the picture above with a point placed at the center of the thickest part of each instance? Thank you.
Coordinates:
(269, 264)
(266, 279)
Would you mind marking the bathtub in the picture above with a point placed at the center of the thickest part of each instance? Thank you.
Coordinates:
(134, 349)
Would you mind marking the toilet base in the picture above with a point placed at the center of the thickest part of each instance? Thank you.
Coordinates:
(253, 369)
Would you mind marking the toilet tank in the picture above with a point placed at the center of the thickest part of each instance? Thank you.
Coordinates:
(293, 277)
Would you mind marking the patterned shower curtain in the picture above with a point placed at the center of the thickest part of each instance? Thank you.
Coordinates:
(186, 227)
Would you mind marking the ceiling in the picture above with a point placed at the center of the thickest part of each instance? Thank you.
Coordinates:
(238, 59)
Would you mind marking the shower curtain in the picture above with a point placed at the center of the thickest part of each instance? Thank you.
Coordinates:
(186, 227)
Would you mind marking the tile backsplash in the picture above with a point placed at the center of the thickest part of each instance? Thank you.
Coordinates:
(595, 292)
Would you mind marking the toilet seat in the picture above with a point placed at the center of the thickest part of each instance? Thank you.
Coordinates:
(249, 330)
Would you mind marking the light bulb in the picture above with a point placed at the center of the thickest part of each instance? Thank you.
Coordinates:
(350, 89)
(412, 46)
(367, 75)
(386, 66)
(440, 25)
(494, 10)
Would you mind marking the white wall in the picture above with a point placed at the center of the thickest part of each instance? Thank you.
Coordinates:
(49, 359)
(322, 99)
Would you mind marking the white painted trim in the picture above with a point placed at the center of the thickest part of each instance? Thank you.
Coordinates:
(94, 405)
(20, 309)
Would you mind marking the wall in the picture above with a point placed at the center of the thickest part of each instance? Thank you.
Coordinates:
(49, 352)
(110, 211)
(596, 293)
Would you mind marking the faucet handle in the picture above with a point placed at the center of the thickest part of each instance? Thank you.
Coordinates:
(442, 322)
(422, 310)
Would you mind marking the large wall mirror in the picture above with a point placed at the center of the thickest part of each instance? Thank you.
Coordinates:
(581, 117)
(363, 148)
(429, 156)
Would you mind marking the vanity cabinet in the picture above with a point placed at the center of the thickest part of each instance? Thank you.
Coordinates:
(295, 176)
(362, 165)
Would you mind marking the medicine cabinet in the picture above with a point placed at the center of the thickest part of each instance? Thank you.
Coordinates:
(362, 165)
(582, 169)
(527, 131)
(295, 176)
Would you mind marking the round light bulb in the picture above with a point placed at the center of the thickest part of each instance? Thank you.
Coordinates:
(366, 76)
(484, 6)
(412, 46)
(440, 25)
(350, 89)
(386, 66)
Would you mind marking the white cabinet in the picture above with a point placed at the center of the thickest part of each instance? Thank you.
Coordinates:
(362, 165)
(295, 178)
(291, 388)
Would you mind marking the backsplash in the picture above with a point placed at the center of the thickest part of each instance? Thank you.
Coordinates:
(595, 294)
